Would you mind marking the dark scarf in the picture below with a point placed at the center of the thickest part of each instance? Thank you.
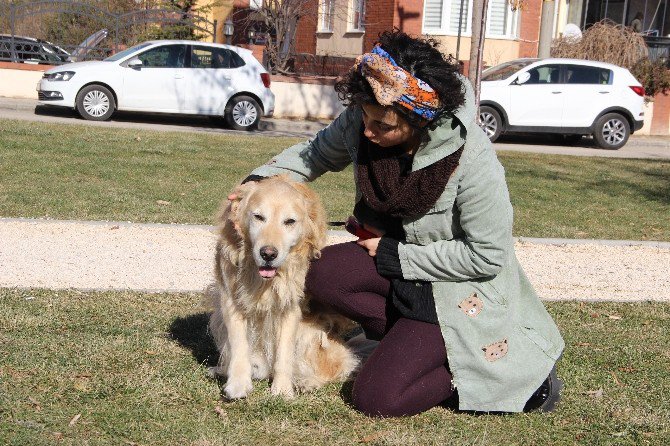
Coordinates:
(388, 190)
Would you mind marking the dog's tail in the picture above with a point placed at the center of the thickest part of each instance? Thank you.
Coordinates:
(321, 358)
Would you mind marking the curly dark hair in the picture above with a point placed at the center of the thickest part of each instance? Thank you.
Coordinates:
(421, 58)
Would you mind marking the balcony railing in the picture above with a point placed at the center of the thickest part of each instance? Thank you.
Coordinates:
(659, 48)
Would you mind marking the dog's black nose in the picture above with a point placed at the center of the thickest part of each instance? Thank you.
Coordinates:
(269, 253)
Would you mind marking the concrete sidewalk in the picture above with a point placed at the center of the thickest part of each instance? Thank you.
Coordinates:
(180, 258)
(638, 146)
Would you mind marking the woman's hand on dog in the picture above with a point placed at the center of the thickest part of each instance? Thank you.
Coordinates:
(234, 195)
(371, 244)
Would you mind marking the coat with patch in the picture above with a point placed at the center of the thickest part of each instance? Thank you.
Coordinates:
(501, 343)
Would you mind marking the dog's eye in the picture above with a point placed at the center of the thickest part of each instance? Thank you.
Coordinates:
(259, 217)
(289, 222)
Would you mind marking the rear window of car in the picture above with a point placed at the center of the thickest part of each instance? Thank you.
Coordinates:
(580, 74)
(212, 57)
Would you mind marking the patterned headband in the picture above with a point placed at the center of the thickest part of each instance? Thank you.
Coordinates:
(392, 84)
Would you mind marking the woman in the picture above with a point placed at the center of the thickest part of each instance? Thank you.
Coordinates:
(439, 285)
(636, 23)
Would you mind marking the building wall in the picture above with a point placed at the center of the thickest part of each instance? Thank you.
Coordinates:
(19, 80)
(305, 98)
(384, 15)
(561, 17)
(495, 50)
(305, 35)
(529, 28)
(660, 124)
(340, 42)
(219, 12)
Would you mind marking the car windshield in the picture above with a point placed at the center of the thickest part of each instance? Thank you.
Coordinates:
(505, 70)
(120, 55)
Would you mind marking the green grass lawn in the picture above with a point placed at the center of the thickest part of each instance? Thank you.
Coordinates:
(94, 173)
(129, 368)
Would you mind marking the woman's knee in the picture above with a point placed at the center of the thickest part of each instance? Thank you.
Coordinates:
(342, 268)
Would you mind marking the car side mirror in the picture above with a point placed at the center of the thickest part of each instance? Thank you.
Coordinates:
(135, 63)
(523, 78)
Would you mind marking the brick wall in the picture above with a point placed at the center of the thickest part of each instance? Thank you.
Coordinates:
(384, 15)
(310, 64)
(530, 28)
(305, 36)
(408, 15)
(379, 16)
(660, 123)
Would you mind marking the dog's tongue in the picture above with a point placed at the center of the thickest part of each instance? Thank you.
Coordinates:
(267, 272)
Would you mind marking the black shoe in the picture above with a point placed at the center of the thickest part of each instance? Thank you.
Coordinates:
(547, 395)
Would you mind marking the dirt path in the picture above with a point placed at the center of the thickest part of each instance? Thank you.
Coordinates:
(102, 255)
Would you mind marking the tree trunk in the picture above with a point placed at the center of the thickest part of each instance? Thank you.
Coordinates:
(479, 10)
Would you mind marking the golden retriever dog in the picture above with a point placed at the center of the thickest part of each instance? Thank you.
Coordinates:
(260, 322)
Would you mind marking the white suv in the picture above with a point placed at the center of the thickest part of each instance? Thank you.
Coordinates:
(165, 76)
(562, 96)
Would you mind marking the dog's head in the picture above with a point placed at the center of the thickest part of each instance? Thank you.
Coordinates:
(275, 218)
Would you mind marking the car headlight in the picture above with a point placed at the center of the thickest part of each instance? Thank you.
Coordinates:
(60, 76)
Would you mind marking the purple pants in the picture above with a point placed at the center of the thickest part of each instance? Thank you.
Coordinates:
(407, 373)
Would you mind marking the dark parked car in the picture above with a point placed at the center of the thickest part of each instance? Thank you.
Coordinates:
(30, 50)
(37, 51)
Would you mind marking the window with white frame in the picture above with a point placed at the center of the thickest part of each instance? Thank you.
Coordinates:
(441, 17)
(357, 15)
(326, 15)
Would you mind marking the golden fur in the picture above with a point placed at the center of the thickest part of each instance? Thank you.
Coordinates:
(260, 321)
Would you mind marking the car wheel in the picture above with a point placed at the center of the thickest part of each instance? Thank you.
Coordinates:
(612, 131)
(243, 113)
(95, 103)
(490, 122)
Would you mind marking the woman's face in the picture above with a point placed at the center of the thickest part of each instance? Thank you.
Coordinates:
(385, 127)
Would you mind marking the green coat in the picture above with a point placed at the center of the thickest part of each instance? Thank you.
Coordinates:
(501, 342)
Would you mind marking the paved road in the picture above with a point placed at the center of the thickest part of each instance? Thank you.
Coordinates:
(26, 109)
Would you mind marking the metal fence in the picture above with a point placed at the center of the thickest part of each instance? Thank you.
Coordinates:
(659, 48)
(59, 31)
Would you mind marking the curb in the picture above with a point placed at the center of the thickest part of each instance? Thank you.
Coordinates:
(340, 233)
(272, 124)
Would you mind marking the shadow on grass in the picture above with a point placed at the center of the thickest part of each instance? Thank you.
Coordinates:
(191, 333)
(648, 183)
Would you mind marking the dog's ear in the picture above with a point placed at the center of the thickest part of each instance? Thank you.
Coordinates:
(316, 236)
(228, 213)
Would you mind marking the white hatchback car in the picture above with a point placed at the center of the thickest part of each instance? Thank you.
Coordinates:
(569, 97)
(165, 76)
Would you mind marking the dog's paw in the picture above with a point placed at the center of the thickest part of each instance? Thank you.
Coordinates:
(238, 388)
(282, 387)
